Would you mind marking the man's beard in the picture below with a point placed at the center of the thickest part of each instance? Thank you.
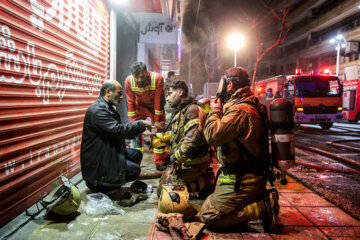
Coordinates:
(113, 101)
(141, 83)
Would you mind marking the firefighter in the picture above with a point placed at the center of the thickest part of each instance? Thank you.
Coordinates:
(169, 111)
(237, 130)
(267, 99)
(145, 98)
(190, 158)
(171, 77)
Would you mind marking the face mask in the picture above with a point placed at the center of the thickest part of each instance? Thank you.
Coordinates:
(269, 93)
(222, 91)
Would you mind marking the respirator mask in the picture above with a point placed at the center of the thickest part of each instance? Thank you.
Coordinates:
(222, 89)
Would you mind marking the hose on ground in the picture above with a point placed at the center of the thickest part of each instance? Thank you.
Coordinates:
(327, 168)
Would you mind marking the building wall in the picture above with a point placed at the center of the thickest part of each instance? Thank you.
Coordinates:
(127, 39)
(307, 45)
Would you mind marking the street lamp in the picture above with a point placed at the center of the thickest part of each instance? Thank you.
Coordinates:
(339, 41)
(235, 42)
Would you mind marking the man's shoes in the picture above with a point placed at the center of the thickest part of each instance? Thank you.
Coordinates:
(119, 194)
(272, 208)
(161, 167)
(135, 198)
(138, 187)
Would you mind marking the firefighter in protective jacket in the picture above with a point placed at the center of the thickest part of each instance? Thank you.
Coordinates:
(145, 98)
(190, 158)
(237, 130)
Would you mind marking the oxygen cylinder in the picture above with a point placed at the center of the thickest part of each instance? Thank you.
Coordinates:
(282, 135)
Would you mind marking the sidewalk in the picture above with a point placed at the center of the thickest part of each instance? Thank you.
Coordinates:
(303, 215)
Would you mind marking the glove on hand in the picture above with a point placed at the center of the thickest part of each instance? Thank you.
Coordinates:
(172, 159)
(173, 223)
(215, 103)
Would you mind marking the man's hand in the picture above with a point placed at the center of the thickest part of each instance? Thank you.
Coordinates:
(147, 125)
(159, 126)
(215, 103)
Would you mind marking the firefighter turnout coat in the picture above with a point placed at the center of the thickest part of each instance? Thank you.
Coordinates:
(238, 122)
(189, 149)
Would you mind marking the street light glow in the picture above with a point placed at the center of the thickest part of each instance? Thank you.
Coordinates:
(338, 37)
(235, 41)
(339, 41)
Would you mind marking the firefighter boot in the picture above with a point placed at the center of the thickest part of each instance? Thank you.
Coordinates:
(272, 209)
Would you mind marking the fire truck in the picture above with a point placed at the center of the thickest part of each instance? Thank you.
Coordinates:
(317, 98)
(351, 100)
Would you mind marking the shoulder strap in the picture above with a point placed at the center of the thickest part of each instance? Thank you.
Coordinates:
(254, 105)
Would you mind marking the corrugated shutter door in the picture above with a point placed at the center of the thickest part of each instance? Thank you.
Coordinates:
(54, 56)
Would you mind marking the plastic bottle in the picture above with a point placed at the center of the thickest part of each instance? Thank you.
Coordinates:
(149, 189)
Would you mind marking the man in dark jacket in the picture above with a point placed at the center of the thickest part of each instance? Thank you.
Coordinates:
(106, 163)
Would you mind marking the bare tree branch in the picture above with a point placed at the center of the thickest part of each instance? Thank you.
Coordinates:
(256, 26)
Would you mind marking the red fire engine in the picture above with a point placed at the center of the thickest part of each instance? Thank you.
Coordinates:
(317, 97)
(351, 100)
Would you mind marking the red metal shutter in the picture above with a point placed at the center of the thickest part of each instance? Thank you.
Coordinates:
(54, 56)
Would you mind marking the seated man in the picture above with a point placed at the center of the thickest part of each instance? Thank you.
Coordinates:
(106, 163)
(237, 129)
(190, 159)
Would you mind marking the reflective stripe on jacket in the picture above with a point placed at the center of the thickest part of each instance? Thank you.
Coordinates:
(149, 99)
(188, 142)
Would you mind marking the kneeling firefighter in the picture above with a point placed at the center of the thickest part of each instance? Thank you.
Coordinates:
(190, 158)
(238, 130)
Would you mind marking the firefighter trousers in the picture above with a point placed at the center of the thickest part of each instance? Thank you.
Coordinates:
(227, 207)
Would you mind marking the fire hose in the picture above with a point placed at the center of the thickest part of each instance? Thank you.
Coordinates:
(327, 168)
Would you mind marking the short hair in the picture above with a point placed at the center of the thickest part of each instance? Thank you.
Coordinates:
(170, 73)
(179, 85)
(138, 67)
(107, 85)
(269, 89)
(239, 76)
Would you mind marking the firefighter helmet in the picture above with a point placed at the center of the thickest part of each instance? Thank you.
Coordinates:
(175, 199)
(64, 199)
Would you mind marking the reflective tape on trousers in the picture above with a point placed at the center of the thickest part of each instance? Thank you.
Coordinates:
(282, 137)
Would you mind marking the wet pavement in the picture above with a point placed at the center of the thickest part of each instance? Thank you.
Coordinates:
(303, 215)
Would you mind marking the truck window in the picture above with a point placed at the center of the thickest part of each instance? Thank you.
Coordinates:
(317, 86)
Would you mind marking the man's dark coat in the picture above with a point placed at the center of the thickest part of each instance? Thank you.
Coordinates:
(103, 155)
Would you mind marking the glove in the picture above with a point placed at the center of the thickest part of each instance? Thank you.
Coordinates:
(172, 159)
(156, 142)
(215, 103)
(175, 165)
(173, 223)
(165, 137)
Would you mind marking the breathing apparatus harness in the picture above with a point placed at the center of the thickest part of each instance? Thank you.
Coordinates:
(251, 163)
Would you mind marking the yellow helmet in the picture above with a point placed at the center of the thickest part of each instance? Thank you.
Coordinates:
(174, 199)
(64, 199)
